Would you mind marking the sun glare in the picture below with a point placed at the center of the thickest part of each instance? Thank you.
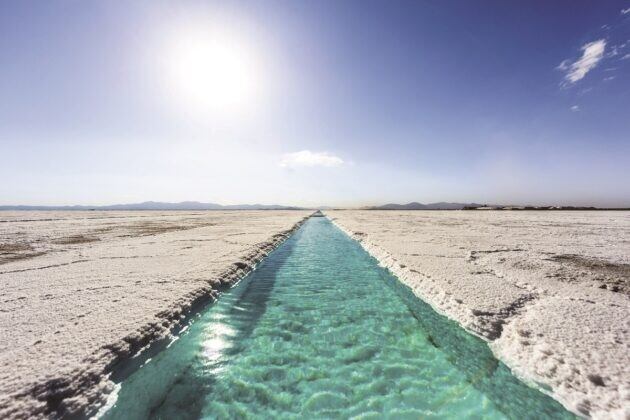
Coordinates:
(213, 72)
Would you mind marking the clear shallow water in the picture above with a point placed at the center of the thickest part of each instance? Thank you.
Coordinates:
(320, 330)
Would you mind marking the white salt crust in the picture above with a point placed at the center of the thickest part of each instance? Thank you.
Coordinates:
(82, 291)
(547, 290)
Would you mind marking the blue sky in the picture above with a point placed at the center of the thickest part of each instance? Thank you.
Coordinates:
(313, 102)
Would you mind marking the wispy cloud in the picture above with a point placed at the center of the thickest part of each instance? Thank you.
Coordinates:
(306, 158)
(592, 53)
(614, 51)
(575, 108)
(564, 65)
(625, 11)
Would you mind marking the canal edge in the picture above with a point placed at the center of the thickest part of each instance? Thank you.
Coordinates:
(402, 274)
(83, 393)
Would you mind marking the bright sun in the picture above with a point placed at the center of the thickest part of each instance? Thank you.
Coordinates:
(213, 72)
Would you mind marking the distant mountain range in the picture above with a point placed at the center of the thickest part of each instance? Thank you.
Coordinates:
(430, 206)
(196, 205)
(474, 206)
(156, 205)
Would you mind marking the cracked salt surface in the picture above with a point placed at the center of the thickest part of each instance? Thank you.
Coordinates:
(548, 290)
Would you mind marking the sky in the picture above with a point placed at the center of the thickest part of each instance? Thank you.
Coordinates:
(343, 103)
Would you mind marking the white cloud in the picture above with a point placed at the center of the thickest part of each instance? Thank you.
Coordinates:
(626, 57)
(625, 11)
(309, 159)
(592, 53)
(575, 108)
(608, 79)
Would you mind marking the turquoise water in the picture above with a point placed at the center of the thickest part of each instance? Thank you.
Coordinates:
(319, 330)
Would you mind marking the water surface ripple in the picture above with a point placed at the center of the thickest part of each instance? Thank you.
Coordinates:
(319, 330)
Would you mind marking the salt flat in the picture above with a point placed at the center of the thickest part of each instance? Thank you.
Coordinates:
(549, 290)
(84, 290)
